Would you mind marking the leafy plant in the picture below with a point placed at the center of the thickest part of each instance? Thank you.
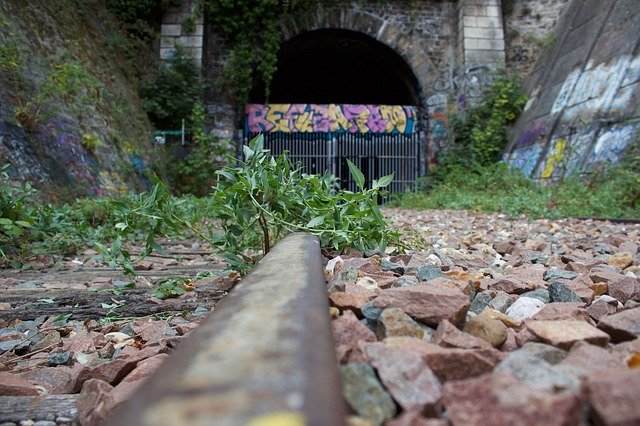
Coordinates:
(480, 133)
(169, 95)
(15, 217)
(196, 172)
(265, 197)
(252, 30)
(172, 287)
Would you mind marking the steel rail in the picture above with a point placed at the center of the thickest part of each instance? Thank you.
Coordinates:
(264, 356)
(611, 219)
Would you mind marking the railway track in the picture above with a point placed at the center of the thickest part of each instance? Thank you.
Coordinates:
(266, 355)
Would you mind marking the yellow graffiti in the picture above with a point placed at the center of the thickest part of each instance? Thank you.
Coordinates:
(275, 116)
(395, 117)
(362, 119)
(337, 120)
(112, 183)
(554, 158)
(303, 123)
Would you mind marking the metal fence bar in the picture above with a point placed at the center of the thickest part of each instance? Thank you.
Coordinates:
(376, 155)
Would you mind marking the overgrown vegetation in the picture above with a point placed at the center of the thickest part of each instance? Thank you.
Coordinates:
(253, 205)
(480, 133)
(251, 30)
(265, 197)
(471, 176)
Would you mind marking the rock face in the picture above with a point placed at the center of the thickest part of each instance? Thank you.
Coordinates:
(105, 113)
(427, 304)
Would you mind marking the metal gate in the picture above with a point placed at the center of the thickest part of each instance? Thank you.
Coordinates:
(378, 139)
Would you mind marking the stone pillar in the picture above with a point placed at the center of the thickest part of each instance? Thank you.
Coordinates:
(480, 47)
(182, 25)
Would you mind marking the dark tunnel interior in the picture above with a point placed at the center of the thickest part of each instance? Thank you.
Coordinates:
(341, 67)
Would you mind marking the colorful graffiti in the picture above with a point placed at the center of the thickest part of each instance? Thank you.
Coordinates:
(347, 118)
(554, 158)
(597, 88)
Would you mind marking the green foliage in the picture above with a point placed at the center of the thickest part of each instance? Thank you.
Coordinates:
(68, 83)
(15, 217)
(171, 287)
(139, 16)
(499, 188)
(91, 141)
(251, 29)
(265, 197)
(480, 134)
(197, 171)
(170, 94)
(9, 55)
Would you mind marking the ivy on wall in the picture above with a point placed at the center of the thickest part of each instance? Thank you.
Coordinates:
(251, 29)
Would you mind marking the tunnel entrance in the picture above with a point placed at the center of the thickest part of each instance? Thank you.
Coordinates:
(341, 95)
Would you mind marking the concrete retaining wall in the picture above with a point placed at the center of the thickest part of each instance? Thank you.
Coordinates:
(585, 93)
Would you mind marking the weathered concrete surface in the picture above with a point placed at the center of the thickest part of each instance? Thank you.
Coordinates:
(584, 107)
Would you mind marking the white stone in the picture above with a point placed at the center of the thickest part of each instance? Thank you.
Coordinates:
(331, 264)
(523, 308)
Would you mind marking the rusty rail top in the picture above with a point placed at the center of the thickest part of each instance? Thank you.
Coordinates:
(264, 357)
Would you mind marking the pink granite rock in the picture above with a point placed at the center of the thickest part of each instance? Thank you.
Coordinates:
(348, 332)
(349, 301)
(613, 396)
(16, 385)
(565, 333)
(624, 289)
(622, 326)
(95, 402)
(499, 399)
(406, 377)
(448, 336)
(563, 311)
(426, 303)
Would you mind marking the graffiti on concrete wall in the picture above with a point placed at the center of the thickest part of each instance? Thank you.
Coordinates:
(596, 88)
(525, 158)
(554, 158)
(531, 134)
(471, 82)
(305, 118)
(438, 125)
(613, 141)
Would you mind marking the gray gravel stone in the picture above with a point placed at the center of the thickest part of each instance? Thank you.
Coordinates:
(542, 294)
(559, 292)
(480, 302)
(429, 272)
(555, 273)
(365, 394)
(537, 373)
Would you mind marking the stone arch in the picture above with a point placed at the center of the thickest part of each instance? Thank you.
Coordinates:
(365, 22)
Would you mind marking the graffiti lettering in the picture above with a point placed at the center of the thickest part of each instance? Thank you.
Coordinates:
(554, 158)
(306, 118)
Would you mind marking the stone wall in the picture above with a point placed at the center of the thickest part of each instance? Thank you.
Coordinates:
(584, 109)
(529, 28)
(452, 47)
(175, 30)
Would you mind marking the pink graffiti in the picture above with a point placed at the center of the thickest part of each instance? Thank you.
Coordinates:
(293, 118)
(257, 117)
